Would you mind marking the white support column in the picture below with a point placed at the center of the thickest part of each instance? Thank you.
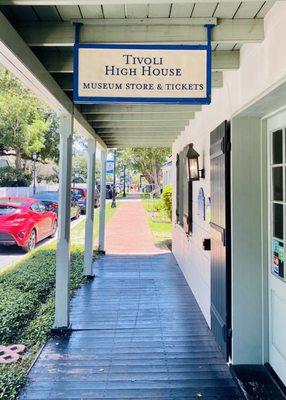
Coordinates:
(101, 246)
(88, 251)
(63, 245)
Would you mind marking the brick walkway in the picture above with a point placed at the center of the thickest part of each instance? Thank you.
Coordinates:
(128, 231)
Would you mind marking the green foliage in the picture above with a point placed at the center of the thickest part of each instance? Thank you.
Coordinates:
(26, 125)
(27, 309)
(79, 168)
(146, 161)
(12, 377)
(167, 199)
(50, 150)
(154, 205)
(10, 177)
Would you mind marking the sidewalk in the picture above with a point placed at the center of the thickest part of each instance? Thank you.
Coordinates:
(138, 334)
(128, 231)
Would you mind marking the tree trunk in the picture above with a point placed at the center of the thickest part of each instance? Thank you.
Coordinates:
(18, 160)
(155, 179)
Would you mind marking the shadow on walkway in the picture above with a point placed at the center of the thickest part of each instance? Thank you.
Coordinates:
(138, 333)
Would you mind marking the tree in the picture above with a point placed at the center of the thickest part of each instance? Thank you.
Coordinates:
(27, 126)
(50, 150)
(79, 168)
(147, 161)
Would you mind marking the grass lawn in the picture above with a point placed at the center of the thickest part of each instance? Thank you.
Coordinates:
(158, 221)
(27, 293)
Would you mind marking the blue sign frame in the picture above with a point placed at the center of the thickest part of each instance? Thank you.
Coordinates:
(131, 100)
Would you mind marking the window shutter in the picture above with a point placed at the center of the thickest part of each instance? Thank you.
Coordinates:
(177, 186)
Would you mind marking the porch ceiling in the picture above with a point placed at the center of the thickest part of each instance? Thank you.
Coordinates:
(47, 29)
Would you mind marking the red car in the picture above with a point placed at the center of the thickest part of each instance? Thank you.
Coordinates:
(25, 221)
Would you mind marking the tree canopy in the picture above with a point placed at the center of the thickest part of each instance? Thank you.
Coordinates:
(146, 161)
(27, 126)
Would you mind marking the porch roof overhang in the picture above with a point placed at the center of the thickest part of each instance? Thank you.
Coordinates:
(45, 34)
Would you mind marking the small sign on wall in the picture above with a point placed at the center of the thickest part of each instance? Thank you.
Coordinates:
(105, 73)
(208, 210)
(278, 258)
(201, 203)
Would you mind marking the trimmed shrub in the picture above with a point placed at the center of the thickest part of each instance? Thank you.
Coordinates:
(27, 310)
(12, 177)
(154, 205)
(167, 195)
(12, 377)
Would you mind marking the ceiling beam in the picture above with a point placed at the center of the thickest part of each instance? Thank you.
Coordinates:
(140, 118)
(139, 134)
(100, 2)
(130, 144)
(62, 61)
(142, 131)
(139, 125)
(126, 146)
(62, 33)
(139, 140)
(145, 21)
(118, 109)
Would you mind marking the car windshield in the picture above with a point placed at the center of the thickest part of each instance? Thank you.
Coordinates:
(52, 196)
(7, 209)
(77, 192)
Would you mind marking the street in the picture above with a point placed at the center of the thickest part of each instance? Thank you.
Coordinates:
(10, 254)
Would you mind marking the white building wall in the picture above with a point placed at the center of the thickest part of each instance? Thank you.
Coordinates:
(262, 68)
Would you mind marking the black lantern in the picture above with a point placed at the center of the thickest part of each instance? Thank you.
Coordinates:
(192, 163)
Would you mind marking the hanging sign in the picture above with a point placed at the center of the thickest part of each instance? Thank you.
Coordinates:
(106, 73)
(109, 166)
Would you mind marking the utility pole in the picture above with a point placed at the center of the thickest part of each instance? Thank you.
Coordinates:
(113, 204)
(124, 181)
(34, 172)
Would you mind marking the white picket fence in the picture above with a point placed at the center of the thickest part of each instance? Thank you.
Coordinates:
(25, 191)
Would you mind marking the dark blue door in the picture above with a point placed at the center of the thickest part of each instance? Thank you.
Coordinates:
(220, 237)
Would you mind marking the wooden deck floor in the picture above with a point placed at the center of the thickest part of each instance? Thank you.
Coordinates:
(138, 334)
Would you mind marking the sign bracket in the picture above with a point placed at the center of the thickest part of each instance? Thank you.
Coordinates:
(209, 28)
(77, 26)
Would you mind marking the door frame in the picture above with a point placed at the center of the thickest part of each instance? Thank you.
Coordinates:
(228, 241)
(269, 131)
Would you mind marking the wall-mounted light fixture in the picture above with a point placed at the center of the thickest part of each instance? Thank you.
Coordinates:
(192, 163)
(202, 173)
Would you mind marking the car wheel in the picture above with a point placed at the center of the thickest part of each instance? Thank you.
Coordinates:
(31, 242)
(55, 227)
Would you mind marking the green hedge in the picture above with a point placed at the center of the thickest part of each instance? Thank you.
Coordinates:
(167, 199)
(11, 177)
(27, 310)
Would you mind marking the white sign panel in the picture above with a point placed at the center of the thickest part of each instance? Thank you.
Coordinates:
(141, 73)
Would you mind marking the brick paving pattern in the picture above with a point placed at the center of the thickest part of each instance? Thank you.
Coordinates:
(128, 231)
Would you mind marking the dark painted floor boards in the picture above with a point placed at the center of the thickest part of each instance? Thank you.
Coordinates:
(138, 334)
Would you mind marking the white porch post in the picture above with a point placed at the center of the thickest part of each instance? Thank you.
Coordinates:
(63, 245)
(101, 246)
(88, 251)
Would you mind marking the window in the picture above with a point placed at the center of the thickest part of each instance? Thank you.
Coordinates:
(184, 189)
(278, 201)
(35, 207)
(42, 207)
